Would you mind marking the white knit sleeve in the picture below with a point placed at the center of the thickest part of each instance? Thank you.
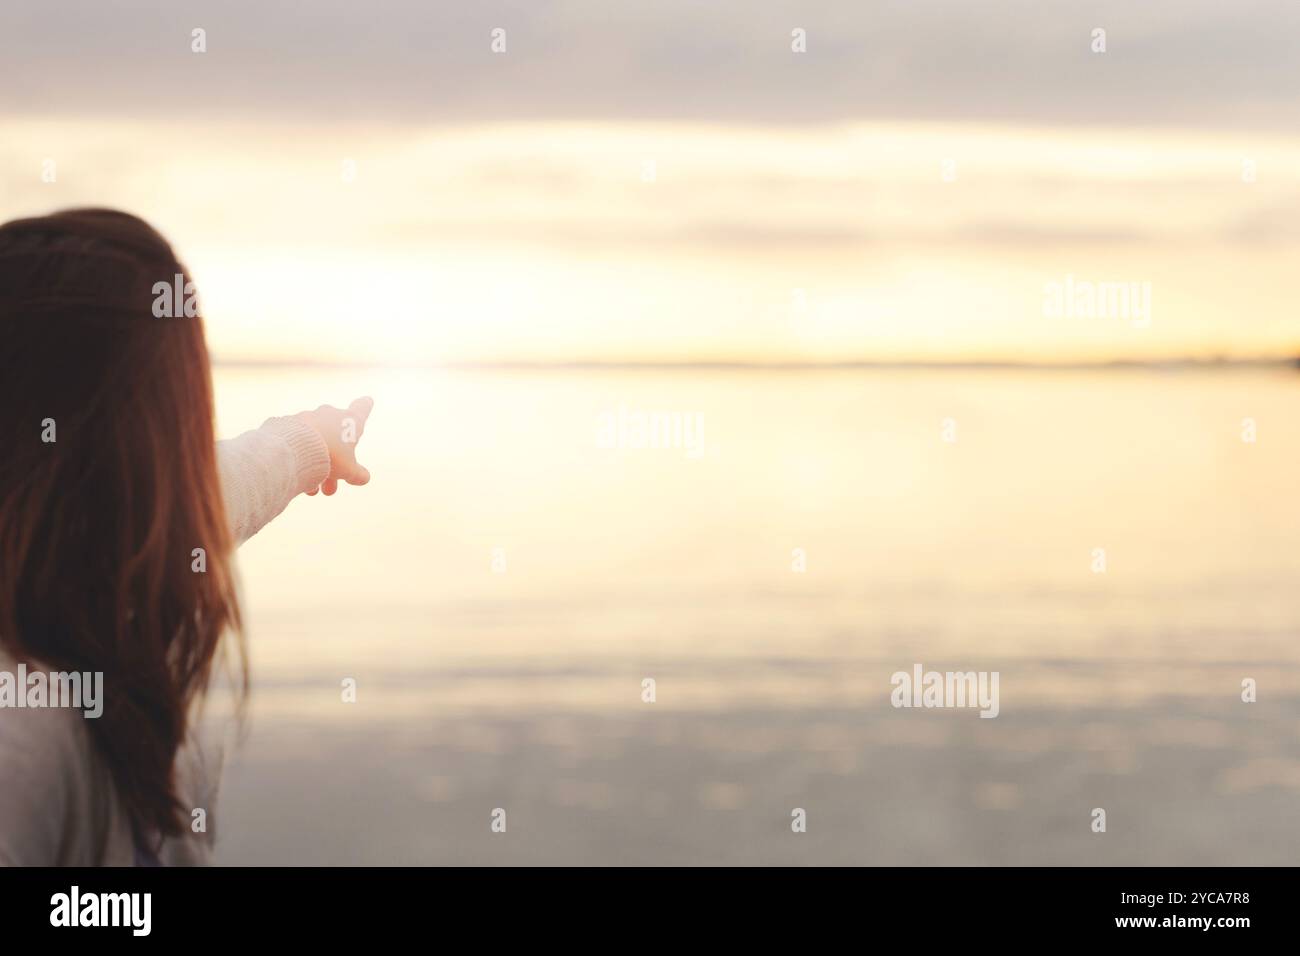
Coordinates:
(263, 470)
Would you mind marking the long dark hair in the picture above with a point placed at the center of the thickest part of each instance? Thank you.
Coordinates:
(108, 485)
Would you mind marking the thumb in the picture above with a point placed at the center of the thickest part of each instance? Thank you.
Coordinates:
(355, 473)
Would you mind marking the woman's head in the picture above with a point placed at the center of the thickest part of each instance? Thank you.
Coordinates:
(108, 486)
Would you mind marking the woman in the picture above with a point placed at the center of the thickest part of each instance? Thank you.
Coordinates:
(118, 520)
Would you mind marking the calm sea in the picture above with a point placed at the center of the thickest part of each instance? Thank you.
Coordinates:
(503, 590)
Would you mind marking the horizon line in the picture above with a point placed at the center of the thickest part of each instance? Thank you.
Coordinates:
(774, 365)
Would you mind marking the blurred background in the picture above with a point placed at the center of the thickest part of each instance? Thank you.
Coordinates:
(839, 265)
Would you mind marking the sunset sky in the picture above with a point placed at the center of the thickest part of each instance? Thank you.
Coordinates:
(673, 183)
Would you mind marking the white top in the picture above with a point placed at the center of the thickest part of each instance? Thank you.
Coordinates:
(58, 804)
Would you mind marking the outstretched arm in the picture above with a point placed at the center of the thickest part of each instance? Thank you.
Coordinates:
(263, 470)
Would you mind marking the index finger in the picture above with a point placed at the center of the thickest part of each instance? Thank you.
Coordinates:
(360, 410)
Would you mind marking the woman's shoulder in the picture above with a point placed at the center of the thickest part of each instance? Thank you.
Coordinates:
(48, 806)
(58, 803)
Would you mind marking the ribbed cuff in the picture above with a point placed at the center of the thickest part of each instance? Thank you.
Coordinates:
(311, 457)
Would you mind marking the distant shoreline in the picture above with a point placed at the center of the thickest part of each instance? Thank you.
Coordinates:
(1183, 364)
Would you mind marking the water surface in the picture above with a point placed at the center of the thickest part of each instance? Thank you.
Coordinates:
(521, 688)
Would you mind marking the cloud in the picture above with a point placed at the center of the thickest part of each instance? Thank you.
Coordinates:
(1184, 62)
